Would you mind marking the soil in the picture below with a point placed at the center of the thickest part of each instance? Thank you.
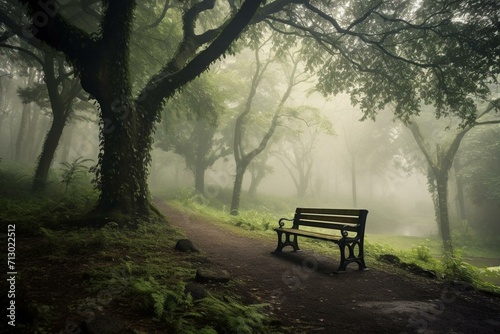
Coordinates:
(306, 295)
(303, 292)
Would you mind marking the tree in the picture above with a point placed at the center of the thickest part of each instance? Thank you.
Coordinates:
(401, 53)
(57, 92)
(102, 59)
(244, 156)
(62, 91)
(258, 170)
(199, 109)
(440, 54)
(440, 160)
(300, 134)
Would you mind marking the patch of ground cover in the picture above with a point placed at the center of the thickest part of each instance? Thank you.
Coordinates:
(108, 277)
(135, 277)
(477, 260)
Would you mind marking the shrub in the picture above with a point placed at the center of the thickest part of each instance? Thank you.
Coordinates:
(423, 253)
(455, 268)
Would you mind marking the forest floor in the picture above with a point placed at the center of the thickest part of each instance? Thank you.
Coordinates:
(304, 293)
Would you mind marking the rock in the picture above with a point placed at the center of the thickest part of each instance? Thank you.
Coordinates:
(389, 258)
(417, 270)
(195, 290)
(215, 275)
(428, 273)
(185, 245)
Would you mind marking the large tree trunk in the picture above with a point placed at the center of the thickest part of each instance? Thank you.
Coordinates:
(124, 159)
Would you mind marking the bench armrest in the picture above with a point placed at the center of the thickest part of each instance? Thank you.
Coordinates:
(281, 223)
(345, 234)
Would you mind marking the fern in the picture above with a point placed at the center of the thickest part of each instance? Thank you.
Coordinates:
(230, 316)
(158, 304)
(70, 171)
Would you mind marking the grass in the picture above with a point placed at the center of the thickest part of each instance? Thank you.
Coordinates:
(134, 274)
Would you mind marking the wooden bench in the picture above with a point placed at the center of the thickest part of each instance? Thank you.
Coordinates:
(350, 224)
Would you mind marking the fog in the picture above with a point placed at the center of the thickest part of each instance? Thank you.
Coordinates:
(398, 201)
(323, 152)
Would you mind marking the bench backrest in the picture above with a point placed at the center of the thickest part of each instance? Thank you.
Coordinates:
(352, 220)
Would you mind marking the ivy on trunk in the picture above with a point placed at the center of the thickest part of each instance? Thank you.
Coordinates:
(127, 123)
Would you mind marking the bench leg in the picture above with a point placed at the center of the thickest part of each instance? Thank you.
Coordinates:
(351, 255)
(290, 240)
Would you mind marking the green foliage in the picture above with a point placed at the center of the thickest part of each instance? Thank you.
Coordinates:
(15, 180)
(158, 300)
(455, 268)
(254, 220)
(166, 301)
(233, 317)
(48, 209)
(154, 282)
(71, 171)
(423, 253)
(447, 267)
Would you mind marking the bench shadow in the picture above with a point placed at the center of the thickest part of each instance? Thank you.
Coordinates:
(310, 261)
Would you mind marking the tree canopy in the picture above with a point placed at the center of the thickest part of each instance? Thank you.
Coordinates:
(404, 53)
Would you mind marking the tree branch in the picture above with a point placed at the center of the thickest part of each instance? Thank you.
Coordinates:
(160, 18)
(364, 38)
(415, 130)
(56, 31)
(166, 83)
(23, 50)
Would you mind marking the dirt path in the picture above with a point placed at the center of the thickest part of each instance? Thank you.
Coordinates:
(303, 292)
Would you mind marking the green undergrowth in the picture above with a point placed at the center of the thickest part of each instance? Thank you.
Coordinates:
(30, 211)
(139, 270)
(134, 274)
(260, 221)
(151, 279)
(446, 267)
